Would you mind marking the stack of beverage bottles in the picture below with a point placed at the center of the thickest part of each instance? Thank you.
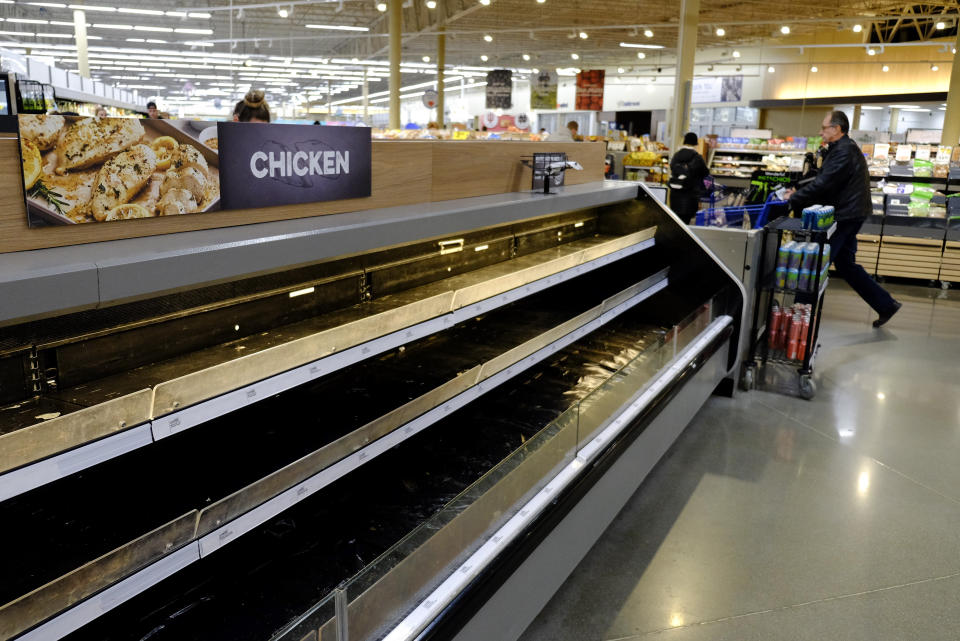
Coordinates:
(788, 330)
(817, 217)
(797, 265)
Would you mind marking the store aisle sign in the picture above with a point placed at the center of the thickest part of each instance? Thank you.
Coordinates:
(268, 165)
(543, 90)
(589, 94)
(717, 89)
(499, 89)
(86, 170)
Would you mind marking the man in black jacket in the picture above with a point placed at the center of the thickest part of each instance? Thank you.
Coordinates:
(687, 171)
(844, 183)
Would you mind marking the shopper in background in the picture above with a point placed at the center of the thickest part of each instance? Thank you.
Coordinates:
(237, 108)
(102, 113)
(255, 107)
(569, 134)
(687, 171)
(152, 111)
(844, 183)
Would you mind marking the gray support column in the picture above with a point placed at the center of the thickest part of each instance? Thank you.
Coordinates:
(396, 29)
(857, 112)
(895, 119)
(686, 53)
(441, 63)
(366, 97)
(951, 118)
(80, 34)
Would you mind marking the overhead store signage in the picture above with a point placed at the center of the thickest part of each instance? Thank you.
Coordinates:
(717, 89)
(499, 89)
(543, 90)
(590, 90)
(85, 170)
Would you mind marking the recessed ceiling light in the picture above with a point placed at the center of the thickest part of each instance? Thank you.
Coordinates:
(575, 56)
(484, 57)
(535, 70)
(857, 28)
(884, 68)
(934, 68)
(485, 3)
(941, 25)
(621, 70)
(736, 54)
(488, 38)
(648, 33)
(814, 69)
(770, 69)
(526, 57)
(641, 55)
(871, 52)
(583, 35)
(381, 6)
(431, 4)
(541, 1)
(426, 58)
(784, 29)
(283, 13)
(721, 31)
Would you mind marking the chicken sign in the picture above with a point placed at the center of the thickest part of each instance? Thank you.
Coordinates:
(87, 170)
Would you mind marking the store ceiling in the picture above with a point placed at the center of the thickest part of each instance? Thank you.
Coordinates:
(160, 47)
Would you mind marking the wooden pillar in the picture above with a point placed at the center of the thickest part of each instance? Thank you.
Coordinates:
(686, 54)
(396, 36)
(951, 118)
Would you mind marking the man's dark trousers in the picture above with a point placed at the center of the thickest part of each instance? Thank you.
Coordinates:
(843, 252)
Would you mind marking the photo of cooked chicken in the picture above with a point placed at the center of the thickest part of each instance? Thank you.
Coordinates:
(41, 130)
(91, 141)
(148, 169)
(187, 156)
(188, 179)
(120, 178)
(175, 202)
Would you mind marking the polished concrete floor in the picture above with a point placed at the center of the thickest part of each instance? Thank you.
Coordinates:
(775, 518)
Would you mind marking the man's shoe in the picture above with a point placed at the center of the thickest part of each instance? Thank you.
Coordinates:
(880, 322)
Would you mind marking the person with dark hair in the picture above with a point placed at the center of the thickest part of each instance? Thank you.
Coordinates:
(255, 107)
(152, 111)
(237, 108)
(687, 171)
(844, 182)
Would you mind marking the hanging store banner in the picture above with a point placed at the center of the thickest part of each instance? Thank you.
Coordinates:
(543, 90)
(717, 89)
(499, 89)
(590, 90)
(86, 170)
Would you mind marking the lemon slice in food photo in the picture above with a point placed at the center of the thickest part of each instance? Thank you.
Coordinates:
(128, 211)
(164, 146)
(32, 164)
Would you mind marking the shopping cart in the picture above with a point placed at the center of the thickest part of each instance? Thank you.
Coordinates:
(744, 216)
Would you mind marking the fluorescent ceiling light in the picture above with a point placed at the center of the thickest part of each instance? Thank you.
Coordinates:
(84, 7)
(904, 106)
(633, 45)
(201, 16)
(871, 108)
(22, 34)
(201, 32)
(54, 35)
(155, 29)
(336, 27)
(145, 12)
(55, 5)
(27, 21)
(118, 27)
